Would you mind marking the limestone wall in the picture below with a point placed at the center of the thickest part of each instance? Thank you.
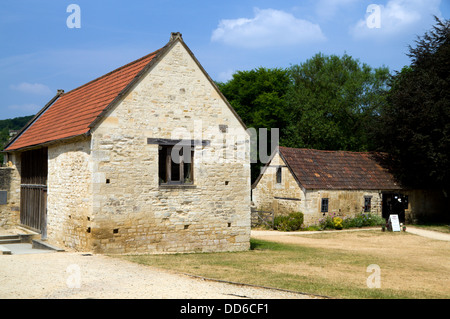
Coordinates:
(10, 194)
(131, 212)
(69, 194)
(283, 198)
(346, 203)
(427, 206)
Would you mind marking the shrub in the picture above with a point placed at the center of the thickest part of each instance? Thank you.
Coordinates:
(337, 222)
(327, 222)
(364, 220)
(292, 222)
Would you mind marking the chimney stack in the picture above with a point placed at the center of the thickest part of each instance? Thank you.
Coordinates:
(176, 35)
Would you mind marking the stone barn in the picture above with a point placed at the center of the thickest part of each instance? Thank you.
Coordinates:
(317, 182)
(147, 158)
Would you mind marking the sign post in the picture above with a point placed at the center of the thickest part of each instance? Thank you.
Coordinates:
(394, 224)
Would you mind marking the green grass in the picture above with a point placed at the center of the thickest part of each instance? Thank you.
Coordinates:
(328, 272)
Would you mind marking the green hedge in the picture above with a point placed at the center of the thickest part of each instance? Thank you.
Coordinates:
(292, 222)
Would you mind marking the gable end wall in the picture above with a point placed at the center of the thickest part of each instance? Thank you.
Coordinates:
(132, 212)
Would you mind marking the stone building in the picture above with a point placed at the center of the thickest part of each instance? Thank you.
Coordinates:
(318, 183)
(147, 158)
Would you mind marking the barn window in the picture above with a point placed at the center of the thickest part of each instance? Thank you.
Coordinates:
(324, 206)
(367, 204)
(278, 175)
(175, 164)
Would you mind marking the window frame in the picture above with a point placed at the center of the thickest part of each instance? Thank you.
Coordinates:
(279, 175)
(323, 205)
(168, 162)
(367, 204)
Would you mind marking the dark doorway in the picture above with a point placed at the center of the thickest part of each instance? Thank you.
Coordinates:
(394, 204)
(33, 190)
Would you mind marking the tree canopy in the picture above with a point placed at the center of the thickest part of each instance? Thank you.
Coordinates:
(414, 126)
(332, 102)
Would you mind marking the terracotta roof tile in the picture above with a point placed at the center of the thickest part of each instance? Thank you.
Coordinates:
(74, 111)
(316, 169)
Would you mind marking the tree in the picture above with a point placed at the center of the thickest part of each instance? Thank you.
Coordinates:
(414, 126)
(332, 102)
(258, 96)
(10, 124)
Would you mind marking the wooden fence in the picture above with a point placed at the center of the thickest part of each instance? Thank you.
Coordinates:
(261, 217)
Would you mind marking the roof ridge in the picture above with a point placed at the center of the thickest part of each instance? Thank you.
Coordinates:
(114, 71)
(327, 151)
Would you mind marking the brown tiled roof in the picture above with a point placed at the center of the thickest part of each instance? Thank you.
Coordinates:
(317, 169)
(73, 112)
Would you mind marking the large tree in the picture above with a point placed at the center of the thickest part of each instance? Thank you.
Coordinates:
(414, 127)
(258, 96)
(332, 102)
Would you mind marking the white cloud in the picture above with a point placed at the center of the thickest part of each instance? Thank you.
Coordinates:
(399, 16)
(267, 28)
(32, 88)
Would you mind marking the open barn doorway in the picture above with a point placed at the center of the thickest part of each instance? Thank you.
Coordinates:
(394, 204)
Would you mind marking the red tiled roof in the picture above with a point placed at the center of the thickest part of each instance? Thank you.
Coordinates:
(316, 169)
(74, 111)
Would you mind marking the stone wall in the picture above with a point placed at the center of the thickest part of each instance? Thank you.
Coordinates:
(348, 203)
(10, 196)
(131, 212)
(283, 198)
(69, 194)
(427, 206)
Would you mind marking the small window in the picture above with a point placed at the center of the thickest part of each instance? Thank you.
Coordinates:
(278, 175)
(175, 167)
(324, 206)
(367, 204)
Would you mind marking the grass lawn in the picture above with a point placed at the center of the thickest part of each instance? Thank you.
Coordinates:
(330, 264)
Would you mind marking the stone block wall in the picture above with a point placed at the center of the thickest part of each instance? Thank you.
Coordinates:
(348, 203)
(69, 194)
(10, 196)
(283, 198)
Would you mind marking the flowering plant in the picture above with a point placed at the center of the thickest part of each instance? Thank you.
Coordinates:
(337, 222)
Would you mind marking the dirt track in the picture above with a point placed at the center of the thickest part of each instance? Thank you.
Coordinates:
(54, 275)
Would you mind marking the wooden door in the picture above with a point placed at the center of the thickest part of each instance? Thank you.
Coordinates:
(33, 190)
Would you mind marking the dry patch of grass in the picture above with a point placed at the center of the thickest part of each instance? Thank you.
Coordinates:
(332, 264)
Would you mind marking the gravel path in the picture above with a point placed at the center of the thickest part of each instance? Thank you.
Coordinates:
(54, 275)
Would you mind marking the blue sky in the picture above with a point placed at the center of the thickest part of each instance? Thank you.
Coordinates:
(40, 53)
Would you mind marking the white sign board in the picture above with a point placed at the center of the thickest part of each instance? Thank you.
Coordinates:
(394, 223)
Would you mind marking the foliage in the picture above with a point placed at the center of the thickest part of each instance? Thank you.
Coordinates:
(292, 222)
(332, 102)
(328, 102)
(331, 221)
(258, 97)
(337, 222)
(414, 126)
(10, 124)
